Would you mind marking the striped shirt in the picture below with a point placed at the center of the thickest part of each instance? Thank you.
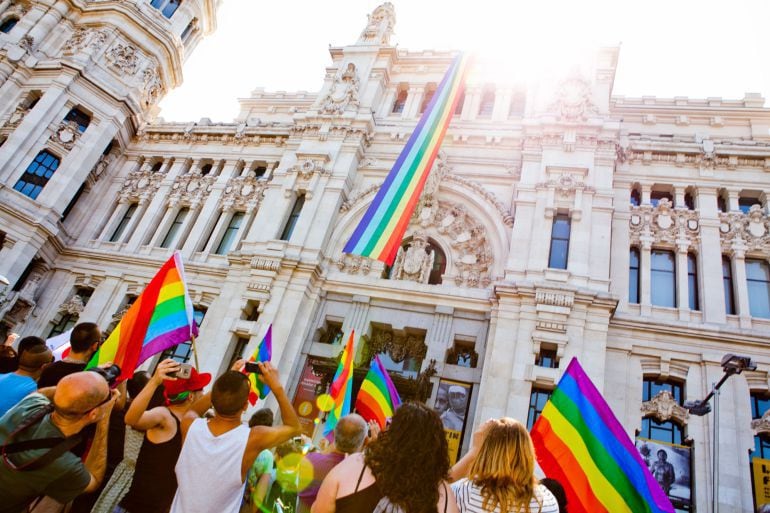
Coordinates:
(470, 500)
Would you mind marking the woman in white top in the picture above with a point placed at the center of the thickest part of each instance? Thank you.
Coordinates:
(502, 478)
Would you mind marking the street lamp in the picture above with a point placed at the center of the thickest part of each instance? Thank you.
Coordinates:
(731, 364)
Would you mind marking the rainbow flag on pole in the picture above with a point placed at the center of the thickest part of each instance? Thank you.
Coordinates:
(263, 353)
(377, 398)
(580, 443)
(161, 317)
(379, 233)
(342, 387)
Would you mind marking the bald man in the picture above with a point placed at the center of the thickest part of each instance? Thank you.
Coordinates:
(79, 399)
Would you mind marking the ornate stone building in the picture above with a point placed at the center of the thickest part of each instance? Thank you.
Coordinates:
(632, 233)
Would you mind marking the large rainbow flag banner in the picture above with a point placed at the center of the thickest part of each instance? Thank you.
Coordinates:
(580, 443)
(342, 387)
(379, 233)
(264, 352)
(161, 317)
(377, 398)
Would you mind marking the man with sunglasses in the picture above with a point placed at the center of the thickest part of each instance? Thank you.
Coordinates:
(36, 435)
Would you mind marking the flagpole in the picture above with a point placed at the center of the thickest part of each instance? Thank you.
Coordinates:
(195, 351)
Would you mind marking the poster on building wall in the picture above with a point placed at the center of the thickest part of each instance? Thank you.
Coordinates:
(452, 401)
(760, 472)
(305, 398)
(669, 464)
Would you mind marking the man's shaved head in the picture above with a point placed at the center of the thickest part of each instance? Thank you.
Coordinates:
(80, 392)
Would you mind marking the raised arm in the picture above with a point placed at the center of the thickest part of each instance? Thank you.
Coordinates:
(263, 437)
(460, 469)
(137, 415)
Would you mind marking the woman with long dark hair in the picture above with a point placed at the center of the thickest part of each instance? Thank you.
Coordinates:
(403, 471)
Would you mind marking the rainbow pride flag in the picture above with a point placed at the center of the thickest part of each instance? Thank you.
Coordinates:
(580, 443)
(342, 387)
(377, 398)
(263, 353)
(161, 317)
(379, 233)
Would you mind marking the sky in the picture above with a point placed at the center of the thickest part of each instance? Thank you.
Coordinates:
(668, 48)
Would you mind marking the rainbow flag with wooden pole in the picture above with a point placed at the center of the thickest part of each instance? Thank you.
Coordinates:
(161, 317)
(377, 398)
(258, 389)
(379, 233)
(342, 387)
(580, 443)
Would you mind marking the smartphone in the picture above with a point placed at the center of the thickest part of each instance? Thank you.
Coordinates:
(184, 372)
(252, 367)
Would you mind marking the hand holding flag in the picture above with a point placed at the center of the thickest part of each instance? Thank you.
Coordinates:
(263, 353)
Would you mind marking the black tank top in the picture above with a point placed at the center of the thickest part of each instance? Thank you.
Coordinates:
(360, 500)
(154, 484)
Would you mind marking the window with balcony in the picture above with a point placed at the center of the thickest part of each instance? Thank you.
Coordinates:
(560, 233)
(663, 278)
(37, 174)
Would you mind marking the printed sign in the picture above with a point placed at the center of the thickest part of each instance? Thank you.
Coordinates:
(760, 470)
(669, 464)
(305, 399)
(452, 400)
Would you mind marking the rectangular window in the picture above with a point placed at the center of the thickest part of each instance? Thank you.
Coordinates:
(667, 431)
(547, 358)
(427, 97)
(759, 406)
(745, 204)
(487, 104)
(398, 105)
(559, 242)
(80, 118)
(537, 401)
(663, 278)
(692, 282)
(656, 196)
(633, 276)
(174, 229)
(293, 218)
(727, 281)
(758, 282)
(118, 233)
(228, 238)
(459, 106)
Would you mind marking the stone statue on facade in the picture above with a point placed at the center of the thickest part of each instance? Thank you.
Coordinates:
(380, 26)
(414, 262)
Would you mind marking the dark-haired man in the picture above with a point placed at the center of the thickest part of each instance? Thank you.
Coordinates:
(80, 399)
(223, 443)
(84, 341)
(15, 386)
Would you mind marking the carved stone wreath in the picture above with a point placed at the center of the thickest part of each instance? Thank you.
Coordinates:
(664, 224)
(73, 306)
(242, 193)
(399, 346)
(66, 134)
(190, 189)
(124, 58)
(663, 407)
(752, 229)
(140, 186)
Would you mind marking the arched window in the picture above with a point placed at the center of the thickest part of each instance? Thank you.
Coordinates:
(206, 169)
(156, 167)
(439, 264)
(80, 118)
(37, 174)
(636, 197)
(8, 24)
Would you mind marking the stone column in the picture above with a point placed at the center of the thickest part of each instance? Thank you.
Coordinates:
(733, 195)
(645, 194)
(357, 319)
(219, 228)
(387, 104)
(710, 258)
(439, 338)
(169, 215)
(117, 215)
(682, 285)
(502, 104)
(645, 276)
(471, 105)
(28, 21)
(740, 285)
(47, 23)
(411, 101)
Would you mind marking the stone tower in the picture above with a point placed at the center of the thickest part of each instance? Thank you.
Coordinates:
(77, 79)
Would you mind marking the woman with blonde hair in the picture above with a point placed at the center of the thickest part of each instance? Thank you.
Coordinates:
(501, 476)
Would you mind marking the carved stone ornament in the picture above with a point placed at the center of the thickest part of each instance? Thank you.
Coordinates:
(152, 86)
(573, 100)
(124, 58)
(761, 426)
(66, 134)
(664, 224)
(663, 407)
(190, 189)
(353, 264)
(380, 26)
(17, 116)
(140, 186)
(565, 185)
(398, 345)
(307, 168)
(243, 193)
(343, 92)
(73, 306)
(17, 9)
(414, 261)
(751, 230)
(85, 38)
(101, 165)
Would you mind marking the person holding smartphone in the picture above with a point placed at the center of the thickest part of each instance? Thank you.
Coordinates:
(154, 482)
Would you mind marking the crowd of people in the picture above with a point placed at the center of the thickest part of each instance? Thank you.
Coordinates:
(73, 441)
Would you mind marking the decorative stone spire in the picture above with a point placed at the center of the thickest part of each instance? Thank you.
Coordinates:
(380, 26)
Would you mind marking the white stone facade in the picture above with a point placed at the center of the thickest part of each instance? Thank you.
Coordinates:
(512, 162)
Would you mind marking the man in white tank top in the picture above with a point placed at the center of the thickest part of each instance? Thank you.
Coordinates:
(217, 453)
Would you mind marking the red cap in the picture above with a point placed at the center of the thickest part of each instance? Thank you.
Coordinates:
(196, 381)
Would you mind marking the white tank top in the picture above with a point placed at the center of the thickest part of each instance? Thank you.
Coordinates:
(209, 470)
